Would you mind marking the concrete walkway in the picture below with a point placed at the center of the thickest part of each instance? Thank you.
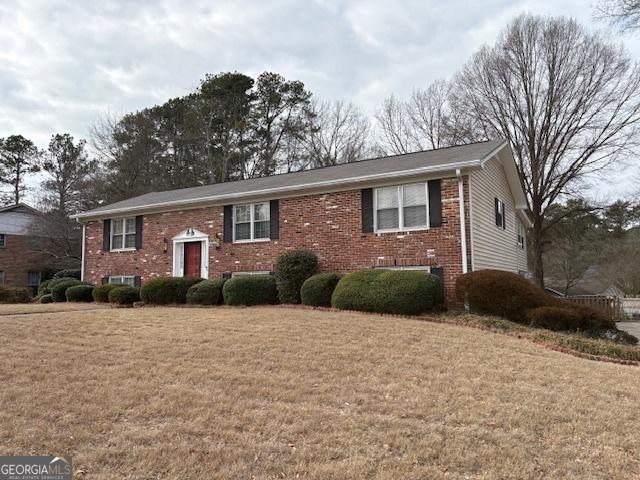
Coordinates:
(631, 327)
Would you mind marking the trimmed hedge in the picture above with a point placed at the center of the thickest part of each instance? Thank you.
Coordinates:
(250, 290)
(555, 318)
(124, 295)
(59, 287)
(14, 294)
(318, 289)
(167, 290)
(79, 293)
(207, 292)
(46, 298)
(402, 292)
(291, 271)
(101, 292)
(68, 273)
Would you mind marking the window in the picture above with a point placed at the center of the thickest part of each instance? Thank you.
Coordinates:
(245, 274)
(123, 233)
(33, 279)
(124, 279)
(401, 208)
(420, 268)
(251, 222)
(521, 235)
(3, 240)
(500, 216)
(1, 278)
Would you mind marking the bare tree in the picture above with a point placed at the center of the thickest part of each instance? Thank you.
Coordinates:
(394, 123)
(622, 14)
(567, 101)
(341, 134)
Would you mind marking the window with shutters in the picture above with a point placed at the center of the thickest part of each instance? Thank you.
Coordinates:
(401, 208)
(500, 214)
(123, 280)
(123, 234)
(251, 222)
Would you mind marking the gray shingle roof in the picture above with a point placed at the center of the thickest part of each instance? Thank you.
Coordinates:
(420, 162)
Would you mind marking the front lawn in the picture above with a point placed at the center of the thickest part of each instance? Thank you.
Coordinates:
(268, 392)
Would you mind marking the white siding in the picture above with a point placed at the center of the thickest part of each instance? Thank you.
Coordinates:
(491, 246)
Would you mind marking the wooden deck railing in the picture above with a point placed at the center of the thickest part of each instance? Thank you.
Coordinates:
(609, 305)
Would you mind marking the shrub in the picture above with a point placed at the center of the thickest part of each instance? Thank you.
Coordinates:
(505, 294)
(124, 295)
(207, 292)
(79, 293)
(250, 290)
(317, 290)
(401, 292)
(46, 298)
(101, 293)
(58, 288)
(291, 271)
(167, 290)
(43, 288)
(14, 295)
(68, 273)
(556, 318)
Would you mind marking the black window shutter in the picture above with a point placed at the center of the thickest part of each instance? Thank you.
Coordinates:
(367, 210)
(439, 272)
(106, 238)
(137, 281)
(228, 223)
(105, 280)
(226, 275)
(274, 215)
(435, 203)
(138, 232)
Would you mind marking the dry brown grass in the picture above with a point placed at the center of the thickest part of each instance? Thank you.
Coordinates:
(22, 308)
(285, 393)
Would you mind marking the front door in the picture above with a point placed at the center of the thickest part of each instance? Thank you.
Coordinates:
(192, 254)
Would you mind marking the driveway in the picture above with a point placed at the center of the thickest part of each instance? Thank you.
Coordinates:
(631, 327)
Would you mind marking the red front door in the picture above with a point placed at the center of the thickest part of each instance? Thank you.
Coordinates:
(192, 253)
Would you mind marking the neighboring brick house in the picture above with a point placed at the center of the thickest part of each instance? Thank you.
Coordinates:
(401, 211)
(21, 256)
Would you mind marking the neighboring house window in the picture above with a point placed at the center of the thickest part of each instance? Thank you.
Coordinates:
(1, 278)
(500, 215)
(123, 233)
(33, 279)
(521, 235)
(244, 274)
(124, 279)
(251, 222)
(403, 207)
(3, 240)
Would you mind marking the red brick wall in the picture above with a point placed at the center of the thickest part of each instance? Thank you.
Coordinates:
(329, 224)
(17, 258)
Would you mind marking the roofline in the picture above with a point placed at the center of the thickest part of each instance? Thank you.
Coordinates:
(293, 188)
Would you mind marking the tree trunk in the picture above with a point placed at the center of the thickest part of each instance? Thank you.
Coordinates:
(537, 244)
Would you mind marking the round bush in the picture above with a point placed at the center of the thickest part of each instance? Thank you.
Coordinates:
(46, 298)
(167, 290)
(101, 293)
(79, 293)
(207, 292)
(291, 271)
(250, 290)
(402, 292)
(124, 295)
(504, 294)
(59, 288)
(318, 289)
(14, 294)
(68, 273)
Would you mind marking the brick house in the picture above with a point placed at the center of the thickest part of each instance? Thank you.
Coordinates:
(447, 211)
(21, 257)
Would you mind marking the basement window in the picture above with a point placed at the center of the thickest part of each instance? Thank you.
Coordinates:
(123, 280)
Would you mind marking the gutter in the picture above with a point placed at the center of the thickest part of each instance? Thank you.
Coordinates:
(274, 191)
(463, 222)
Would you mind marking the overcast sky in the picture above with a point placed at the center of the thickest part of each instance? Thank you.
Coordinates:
(65, 63)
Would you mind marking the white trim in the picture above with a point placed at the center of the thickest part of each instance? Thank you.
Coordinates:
(84, 232)
(471, 210)
(275, 191)
(187, 236)
(400, 229)
(463, 223)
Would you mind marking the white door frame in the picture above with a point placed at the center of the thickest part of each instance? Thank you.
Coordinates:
(186, 236)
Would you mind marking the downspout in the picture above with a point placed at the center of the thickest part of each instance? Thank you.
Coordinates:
(82, 257)
(463, 222)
